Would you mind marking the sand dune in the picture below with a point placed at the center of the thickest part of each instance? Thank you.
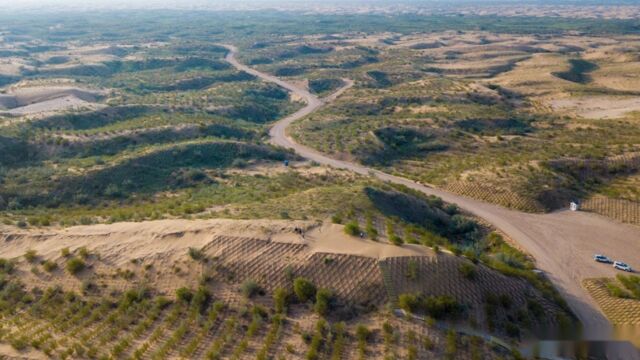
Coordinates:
(598, 107)
(122, 242)
(44, 99)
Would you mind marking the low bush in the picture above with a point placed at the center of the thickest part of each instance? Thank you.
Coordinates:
(31, 255)
(352, 229)
(362, 334)
(441, 306)
(468, 271)
(409, 302)
(83, 252)
(435, 306)
(304, 289)
(49, 265)
(184, 294)
(451, 347)
(250, 288)
(336, 219)
(324, 297)
(75, 265)
(339, 343)
(65, 252)
(196, 254)
(396, 240)
(316, 340)
(280, 300)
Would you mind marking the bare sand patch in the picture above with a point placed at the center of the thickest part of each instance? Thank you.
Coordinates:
(20, 101)
(330, 238)
(69, 102)
(597, 107)
(30, 95)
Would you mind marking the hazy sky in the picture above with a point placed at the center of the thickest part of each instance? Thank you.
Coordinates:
(252, 4)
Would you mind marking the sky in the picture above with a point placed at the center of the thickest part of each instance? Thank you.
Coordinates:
(248, 4)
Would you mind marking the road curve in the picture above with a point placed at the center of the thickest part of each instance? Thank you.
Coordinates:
(562, 243)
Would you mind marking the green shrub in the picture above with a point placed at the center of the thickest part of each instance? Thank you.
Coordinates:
(317, 340)
(468, 271)
(304, 289)
(339, 344)
(83, 252)
(362, 334)
(250, 288)
(184, 294)
(196, 254)
(6, 266)
(65, 252)
(352, 229)
(451, 347)
(323, 301)
(31, 255)
(396, 240)
(372, 232)
(280, 299)
(441, 306)
(336, 219)
(19, 343)
(75, 265)
(455, 249)
(49, 265)
(201, 299)
(409, 302)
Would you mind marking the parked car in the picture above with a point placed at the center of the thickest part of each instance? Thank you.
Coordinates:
(602, 259)
(622, 266)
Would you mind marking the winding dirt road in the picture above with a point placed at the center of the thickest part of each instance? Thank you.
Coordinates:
(563, 242)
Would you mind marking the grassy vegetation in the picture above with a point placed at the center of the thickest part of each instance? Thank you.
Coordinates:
(626, 287)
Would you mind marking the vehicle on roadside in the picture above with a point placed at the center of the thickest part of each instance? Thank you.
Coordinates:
(622, 266)
(602, 259)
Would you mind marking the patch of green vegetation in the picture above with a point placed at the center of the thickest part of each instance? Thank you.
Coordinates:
(325, 86)
(437, 307)
(164, 169)
(631, 284)
(304, 289)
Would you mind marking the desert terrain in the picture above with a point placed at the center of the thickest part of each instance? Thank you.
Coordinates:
(335, 184)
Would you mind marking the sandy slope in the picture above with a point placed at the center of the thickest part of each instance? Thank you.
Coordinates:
(119, 243)
(598, 107)
(46, 99)
(330, 238)
(562, 243)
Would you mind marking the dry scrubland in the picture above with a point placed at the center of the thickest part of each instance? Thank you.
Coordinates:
(509, 119)
(145, 214)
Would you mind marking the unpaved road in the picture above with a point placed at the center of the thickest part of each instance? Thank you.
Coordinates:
(563, 242)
